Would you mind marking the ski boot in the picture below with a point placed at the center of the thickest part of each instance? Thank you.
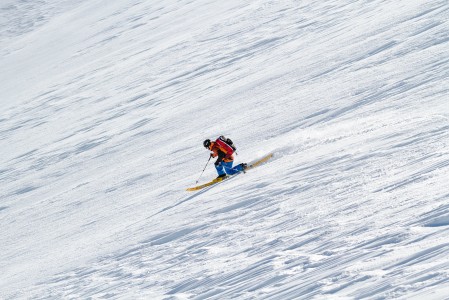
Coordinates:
(221, 177)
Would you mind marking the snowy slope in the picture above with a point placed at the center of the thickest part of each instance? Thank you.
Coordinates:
(104, 109)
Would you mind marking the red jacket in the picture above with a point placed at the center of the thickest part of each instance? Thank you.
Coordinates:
(222, 150)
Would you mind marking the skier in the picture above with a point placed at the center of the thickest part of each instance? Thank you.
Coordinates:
(224, 149)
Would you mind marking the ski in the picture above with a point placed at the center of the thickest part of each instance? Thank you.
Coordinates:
(218, 180)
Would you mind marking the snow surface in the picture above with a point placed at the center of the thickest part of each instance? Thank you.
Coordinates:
(105, 105)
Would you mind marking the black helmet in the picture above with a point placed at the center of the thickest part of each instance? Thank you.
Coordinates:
(206, 143)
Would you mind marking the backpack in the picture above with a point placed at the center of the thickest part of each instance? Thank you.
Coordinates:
(227, 144)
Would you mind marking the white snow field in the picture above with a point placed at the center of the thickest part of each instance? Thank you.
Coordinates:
(104, 108)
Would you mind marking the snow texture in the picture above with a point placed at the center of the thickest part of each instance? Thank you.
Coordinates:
(104, 107)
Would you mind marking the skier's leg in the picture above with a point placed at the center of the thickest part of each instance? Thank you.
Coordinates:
(220, 169)
(239, 168)
(231, 171)
(228, 167)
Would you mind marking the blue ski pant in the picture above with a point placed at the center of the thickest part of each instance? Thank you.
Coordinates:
(226, 168)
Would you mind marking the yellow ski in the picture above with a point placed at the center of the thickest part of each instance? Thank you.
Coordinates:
(217, 180)
(259, 162)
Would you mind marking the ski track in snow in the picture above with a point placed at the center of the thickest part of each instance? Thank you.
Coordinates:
(101, 133)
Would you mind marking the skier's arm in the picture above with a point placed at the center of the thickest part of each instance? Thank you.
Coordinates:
(221, 155)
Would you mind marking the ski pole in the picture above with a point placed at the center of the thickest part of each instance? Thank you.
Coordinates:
(204, 168)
